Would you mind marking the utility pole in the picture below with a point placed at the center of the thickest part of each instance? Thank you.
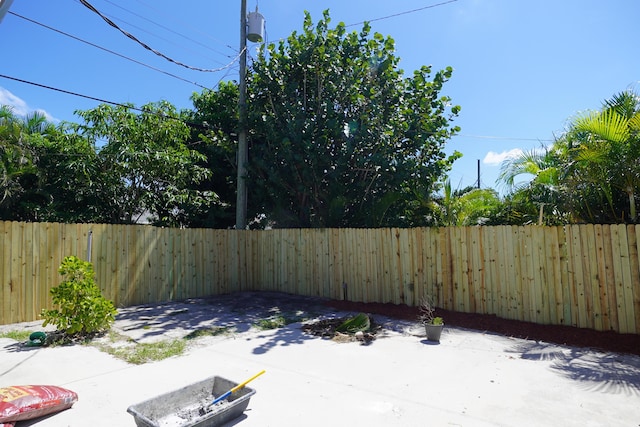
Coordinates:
(4, 7)
(241, 196)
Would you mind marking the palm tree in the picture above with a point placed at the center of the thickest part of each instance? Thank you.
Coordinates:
(15, 158)
(606, 154)
(543, 192)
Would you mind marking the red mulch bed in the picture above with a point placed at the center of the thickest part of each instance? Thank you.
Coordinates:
(567, 335)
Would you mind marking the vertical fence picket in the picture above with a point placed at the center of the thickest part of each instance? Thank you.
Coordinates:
(582, 275)
(634, 230)
(626, 279)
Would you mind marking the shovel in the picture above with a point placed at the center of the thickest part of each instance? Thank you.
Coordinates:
(228, 393)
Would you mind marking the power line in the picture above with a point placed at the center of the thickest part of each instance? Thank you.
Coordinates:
(170, 41)
(402, 13)
(504, 138)
(173, 17)
(168, 29)
(105, 49)
(205, 127)
(104, 101)
(132, 37)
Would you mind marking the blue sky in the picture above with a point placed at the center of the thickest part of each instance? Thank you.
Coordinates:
(522, 69)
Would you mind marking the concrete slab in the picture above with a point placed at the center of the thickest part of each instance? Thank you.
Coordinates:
(468, 379)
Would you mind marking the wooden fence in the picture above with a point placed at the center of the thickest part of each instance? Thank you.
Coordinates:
(581, 275)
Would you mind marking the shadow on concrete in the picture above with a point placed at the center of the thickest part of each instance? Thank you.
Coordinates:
(17, 346)
(613, 373)
(236, 313)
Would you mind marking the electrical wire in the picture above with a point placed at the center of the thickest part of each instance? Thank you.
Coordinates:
(106, 50)
(169, 41)
(503, 138)
(403, 13)
(185, 25)
(132, 37)
(168, 29)
(104, 101)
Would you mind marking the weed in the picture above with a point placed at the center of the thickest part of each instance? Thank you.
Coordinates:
(280, 320)
(16, 335)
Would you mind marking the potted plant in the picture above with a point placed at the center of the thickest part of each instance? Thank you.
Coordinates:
(433, 324)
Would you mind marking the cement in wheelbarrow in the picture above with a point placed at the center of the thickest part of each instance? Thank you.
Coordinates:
(184, 407)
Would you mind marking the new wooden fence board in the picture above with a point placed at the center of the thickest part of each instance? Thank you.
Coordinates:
(456, 267)
(635, 274)
(618, 278)
(518, 300)
(589, 255)
(489, 269)
(355, 280)
(405, 270)
(427, 283)
(6, 286)
(598, 284)
(473, 259)
(17, 284)
(501, 278)
(26, 268)
(588, 318)
(322, 260)
(575, 273)
(418, 273)
(539, 281)
(634, 283)
(601, 278)
(554, 267)
(48, 273)
(624, 278)
(581, 275)
(522, 273)
(464, 290)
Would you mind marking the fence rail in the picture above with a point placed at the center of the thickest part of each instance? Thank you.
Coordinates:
(581, 275)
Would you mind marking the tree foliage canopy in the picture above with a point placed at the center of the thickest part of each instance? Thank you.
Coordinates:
(339, 137)
(591, 173)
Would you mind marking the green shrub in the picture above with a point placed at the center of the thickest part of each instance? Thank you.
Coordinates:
(81, 308)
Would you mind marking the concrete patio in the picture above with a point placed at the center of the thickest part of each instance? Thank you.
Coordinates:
(470, 378)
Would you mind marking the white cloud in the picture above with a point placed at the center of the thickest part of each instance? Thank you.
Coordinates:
(19, 106)
(495, 159)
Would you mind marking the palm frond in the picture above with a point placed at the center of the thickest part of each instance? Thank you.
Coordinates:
(607, 125)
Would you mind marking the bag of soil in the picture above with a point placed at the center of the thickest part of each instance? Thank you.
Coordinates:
(18, 403)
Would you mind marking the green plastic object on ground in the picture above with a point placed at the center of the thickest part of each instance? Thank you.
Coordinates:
(37, 339)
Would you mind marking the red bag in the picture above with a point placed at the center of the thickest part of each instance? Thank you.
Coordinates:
(25, 402)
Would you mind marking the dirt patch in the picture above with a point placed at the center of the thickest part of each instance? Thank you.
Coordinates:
(326, 328)
(565, 335)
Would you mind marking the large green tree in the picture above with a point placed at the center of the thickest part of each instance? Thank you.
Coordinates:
(146, 167)
(339, 137)
(214, 123)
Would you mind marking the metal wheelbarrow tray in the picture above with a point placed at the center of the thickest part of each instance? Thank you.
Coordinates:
(183, 407)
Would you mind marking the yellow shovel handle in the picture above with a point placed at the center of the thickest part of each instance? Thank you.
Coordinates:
(239, 386)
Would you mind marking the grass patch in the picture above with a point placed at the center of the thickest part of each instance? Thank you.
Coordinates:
(140, 353)
(280, 320)
(16, 335)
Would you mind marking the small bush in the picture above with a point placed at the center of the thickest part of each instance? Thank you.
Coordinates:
(82, 310)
